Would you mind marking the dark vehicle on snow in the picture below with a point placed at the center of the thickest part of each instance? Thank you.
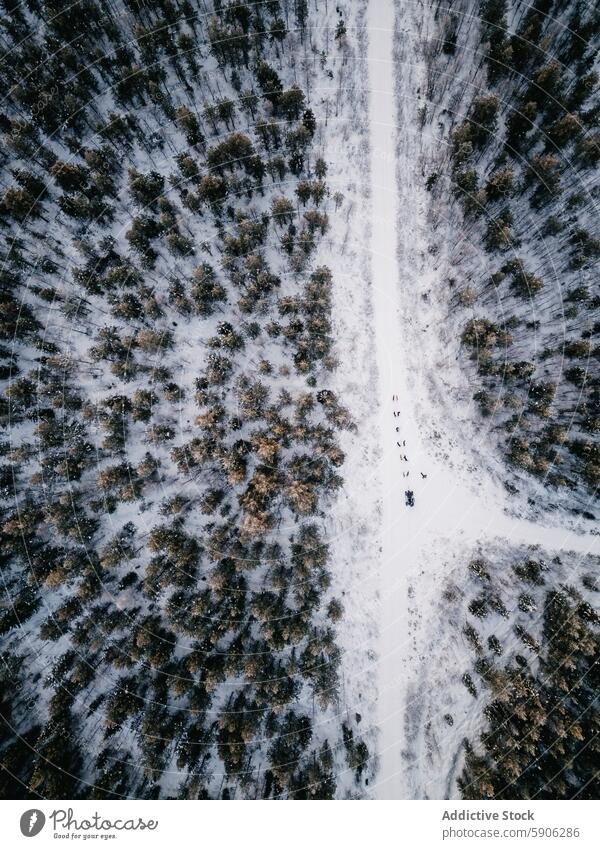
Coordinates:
(410, 498)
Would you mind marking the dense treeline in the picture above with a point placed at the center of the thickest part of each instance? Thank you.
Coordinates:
(170, 437)
(540, 691)
(521, 160)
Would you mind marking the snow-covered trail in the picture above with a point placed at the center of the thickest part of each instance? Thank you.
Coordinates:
(452, 507)
(397, 429)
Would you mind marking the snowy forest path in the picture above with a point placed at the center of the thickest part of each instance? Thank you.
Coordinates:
(451, 508)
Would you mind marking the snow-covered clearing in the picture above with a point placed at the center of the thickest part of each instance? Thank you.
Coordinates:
(457, 503)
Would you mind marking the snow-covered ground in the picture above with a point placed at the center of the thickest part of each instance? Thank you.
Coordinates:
(457, 502)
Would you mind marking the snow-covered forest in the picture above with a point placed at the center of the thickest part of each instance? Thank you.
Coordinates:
(513, 95)
(496, 683)
(300, 399)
